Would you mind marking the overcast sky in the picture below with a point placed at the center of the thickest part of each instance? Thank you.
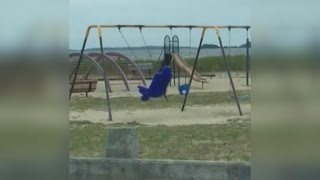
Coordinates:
(196, 12)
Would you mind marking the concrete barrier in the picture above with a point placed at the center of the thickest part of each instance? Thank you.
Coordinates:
(122, 143)
(138, 169)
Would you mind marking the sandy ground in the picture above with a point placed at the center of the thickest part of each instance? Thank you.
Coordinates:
(173, 116)
(169, 117)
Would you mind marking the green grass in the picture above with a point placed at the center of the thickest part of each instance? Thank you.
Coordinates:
(229, 142)
(133, 103)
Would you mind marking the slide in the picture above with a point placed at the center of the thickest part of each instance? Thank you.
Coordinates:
(186, 68)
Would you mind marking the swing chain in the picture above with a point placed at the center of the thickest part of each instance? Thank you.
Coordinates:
(145, 43)
(125, 40)
(190, 40)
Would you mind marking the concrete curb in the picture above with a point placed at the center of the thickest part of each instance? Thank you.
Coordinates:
(127, 169)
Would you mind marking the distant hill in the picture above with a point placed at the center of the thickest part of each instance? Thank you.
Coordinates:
(122, 48)
(245, 45)
(204, 46)
(126, 48)
(214, 46)
(207, 46)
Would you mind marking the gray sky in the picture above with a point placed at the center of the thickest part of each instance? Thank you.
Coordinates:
(196, 12)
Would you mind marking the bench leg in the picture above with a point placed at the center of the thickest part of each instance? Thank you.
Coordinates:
(86, 94)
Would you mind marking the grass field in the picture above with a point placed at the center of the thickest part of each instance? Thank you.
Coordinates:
(230, 142)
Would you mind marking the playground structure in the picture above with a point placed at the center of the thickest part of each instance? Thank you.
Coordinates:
(175, 57)
(162, 78)
(172, 56)
(96, 61)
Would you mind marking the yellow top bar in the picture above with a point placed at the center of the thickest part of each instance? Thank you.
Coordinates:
(169, 26)
(99, 31)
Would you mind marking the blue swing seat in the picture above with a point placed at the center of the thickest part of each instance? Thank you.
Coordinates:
(184, 89)
(158, 85)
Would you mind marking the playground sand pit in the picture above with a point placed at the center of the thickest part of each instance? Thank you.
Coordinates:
(167, 116)
(208, 114)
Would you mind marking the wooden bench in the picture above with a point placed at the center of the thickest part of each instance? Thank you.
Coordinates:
(144, 67)
(86, 86)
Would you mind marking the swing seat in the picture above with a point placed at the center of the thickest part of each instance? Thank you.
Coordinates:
(158, 85)
(184, 89)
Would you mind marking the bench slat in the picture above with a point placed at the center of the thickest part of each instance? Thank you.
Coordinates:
(84, 86)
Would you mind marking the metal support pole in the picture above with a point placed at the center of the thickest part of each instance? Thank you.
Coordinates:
(174, 73)
(194, 68)
(179, 77)
(105, 72)
(190, 29)
(79, 62)
(228, 71)
(247, 59)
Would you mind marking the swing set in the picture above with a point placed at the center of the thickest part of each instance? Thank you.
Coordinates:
(165, 68)
(247, 66)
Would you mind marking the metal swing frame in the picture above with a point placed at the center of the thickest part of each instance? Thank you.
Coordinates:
(247, 65)
(203, 27)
